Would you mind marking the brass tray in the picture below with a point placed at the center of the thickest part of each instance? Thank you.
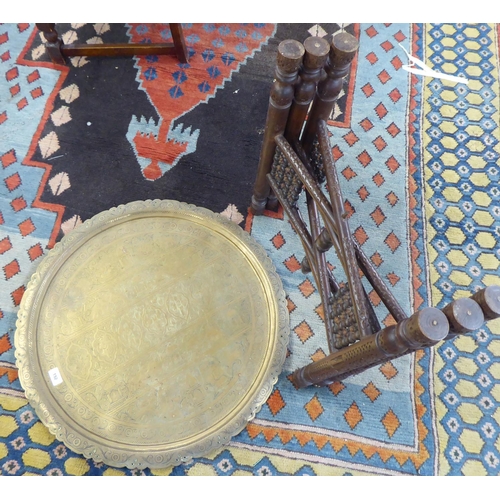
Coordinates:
(151, 334)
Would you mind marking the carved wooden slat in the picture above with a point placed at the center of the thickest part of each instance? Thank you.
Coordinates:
(360, 303)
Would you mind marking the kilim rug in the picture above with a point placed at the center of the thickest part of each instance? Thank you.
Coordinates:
(417, 158)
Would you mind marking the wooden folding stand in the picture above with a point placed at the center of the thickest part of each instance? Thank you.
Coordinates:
(296, 154)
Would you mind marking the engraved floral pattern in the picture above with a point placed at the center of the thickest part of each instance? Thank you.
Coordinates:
(157, 315)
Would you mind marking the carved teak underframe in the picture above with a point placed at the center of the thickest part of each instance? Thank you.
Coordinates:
(296, 154)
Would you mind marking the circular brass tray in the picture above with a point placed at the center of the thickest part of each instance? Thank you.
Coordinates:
(151, 334)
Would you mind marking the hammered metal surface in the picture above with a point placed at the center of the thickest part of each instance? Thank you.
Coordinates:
(166, 326)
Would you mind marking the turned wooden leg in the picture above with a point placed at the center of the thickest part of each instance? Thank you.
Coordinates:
(54, 42)
(289, 59)
(343, 49)
(423, 329)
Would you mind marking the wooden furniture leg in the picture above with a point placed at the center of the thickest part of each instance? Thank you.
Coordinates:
(289, 59)
(57, 50)
(179, 42)
(344, 47)
(54, 42)
(423, 329)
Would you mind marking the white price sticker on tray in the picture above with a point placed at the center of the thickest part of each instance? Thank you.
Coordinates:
(55, 376)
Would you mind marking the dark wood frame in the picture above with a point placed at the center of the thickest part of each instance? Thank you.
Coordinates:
(296, 154)
(58, 51)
